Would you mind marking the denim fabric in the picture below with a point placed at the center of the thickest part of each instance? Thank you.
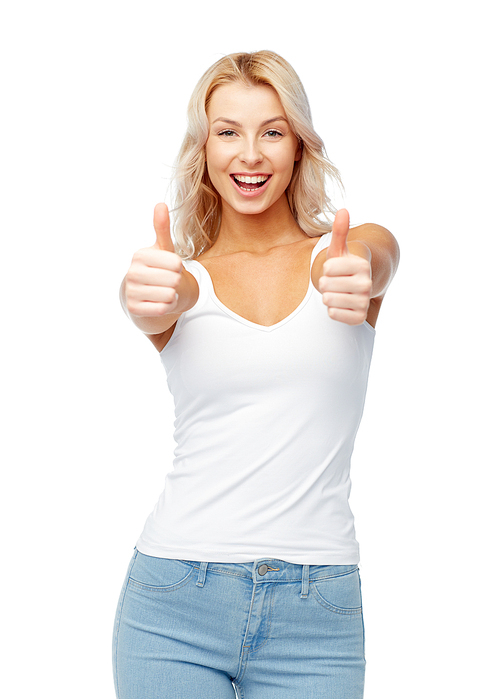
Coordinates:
(266, 629)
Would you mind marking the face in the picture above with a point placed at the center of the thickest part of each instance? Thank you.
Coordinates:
(251, 149)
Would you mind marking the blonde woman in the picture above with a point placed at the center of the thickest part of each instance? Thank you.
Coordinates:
(245, 578)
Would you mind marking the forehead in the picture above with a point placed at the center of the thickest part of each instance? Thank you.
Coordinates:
(237, 99)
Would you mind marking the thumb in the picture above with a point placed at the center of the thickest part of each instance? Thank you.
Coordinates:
(161, 223)
(340, 230)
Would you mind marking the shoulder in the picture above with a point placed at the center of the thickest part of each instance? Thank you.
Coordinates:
(383, 247)
(375, 234)
(385, 255)
(384, 250)
(323, 243)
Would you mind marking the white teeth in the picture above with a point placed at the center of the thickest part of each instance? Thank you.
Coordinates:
(251, 180)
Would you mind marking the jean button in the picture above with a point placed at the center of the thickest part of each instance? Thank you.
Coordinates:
(263, 569)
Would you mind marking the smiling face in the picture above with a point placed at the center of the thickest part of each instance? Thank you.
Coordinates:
(251, 149)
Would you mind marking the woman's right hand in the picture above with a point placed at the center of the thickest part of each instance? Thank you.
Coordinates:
(151, 283)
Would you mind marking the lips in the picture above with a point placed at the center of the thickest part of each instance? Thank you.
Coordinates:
(250, 183)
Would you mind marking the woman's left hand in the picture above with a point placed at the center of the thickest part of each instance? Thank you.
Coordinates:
(346, 283)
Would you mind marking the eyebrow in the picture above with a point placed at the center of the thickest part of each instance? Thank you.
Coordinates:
(237, 123)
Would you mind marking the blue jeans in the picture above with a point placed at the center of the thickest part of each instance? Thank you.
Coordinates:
(260, 630)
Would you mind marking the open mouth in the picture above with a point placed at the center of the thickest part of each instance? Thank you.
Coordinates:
(249, 184)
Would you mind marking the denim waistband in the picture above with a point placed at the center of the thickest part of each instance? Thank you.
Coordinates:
(266, 570)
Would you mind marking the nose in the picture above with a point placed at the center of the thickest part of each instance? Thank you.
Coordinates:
(251, 153)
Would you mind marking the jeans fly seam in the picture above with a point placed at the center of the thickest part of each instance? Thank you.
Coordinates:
(269, 619)
(245, 649)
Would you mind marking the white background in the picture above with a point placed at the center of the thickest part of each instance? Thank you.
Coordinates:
(94, 99)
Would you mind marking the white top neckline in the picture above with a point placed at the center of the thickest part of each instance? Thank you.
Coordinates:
(249, 323)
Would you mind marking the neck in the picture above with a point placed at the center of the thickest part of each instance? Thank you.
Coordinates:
(257, 233)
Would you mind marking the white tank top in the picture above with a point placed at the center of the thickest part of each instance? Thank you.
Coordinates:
(265, 422)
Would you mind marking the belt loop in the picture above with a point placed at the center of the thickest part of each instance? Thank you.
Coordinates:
(203, 572)
(305, 582)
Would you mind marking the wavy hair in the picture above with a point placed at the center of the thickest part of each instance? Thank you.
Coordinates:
(198, 205)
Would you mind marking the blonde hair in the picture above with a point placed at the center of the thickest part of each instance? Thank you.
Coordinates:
(198, 204)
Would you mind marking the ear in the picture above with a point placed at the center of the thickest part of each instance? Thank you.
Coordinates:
(298, 153)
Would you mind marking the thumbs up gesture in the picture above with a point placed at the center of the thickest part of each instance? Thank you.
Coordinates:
(155, 273)
(346, 282)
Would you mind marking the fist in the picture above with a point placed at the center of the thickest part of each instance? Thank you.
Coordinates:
(155, 273)
(346, 283)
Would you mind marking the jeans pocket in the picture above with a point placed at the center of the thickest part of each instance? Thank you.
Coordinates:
(339, 593)
(160, 574)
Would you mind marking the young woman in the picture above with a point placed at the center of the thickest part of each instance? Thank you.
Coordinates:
(245, 578)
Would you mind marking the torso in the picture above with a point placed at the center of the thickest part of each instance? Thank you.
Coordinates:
(265, 288)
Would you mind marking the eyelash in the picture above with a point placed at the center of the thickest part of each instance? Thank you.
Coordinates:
(231, 132)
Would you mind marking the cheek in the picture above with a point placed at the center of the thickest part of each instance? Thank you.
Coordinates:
(211, 166)
(287, 166)
(215, 162)
(287, 162)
